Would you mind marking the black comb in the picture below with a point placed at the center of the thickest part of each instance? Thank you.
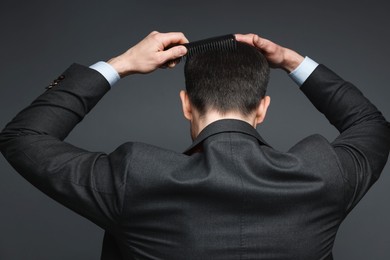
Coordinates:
(219, 43)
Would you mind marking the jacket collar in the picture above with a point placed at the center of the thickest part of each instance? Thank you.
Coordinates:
(224, 126)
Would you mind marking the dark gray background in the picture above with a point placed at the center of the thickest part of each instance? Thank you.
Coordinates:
(39, 39)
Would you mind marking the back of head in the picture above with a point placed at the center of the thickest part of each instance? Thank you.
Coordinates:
(227, 80)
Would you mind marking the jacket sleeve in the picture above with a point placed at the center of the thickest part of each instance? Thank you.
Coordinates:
(363, 145)
(86, 182)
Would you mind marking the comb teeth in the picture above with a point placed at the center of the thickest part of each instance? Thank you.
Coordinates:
(220, 43)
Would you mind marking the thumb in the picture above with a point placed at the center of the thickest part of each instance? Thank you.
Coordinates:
(257, 41)
(265, 45)
(173, 53)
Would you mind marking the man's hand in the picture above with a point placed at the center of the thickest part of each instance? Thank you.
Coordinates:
(277, 56)
(151, 53)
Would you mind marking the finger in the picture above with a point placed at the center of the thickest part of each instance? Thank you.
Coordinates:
(259, 42)
(256, 41)
(153, 33)
(170, 64)
(245, 38)
(173, 63)
(172, 54)
(173, 38)
(263, 44)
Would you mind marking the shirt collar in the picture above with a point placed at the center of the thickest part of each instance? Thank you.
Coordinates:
(224, 126)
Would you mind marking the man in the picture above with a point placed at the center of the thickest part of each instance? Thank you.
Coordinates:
(230, 196)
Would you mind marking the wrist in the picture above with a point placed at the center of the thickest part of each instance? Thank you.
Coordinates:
(291, 60)
(122, 64)
(118, 65)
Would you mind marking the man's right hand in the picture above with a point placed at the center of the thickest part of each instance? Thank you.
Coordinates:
(276, 55)
(151, 53)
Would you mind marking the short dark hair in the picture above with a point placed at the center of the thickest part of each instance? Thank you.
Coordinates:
(233, 80)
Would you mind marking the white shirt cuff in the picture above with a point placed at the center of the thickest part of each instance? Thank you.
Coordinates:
(303, 71)
(107, 71)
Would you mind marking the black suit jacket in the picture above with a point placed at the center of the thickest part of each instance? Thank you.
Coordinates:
(229, 196)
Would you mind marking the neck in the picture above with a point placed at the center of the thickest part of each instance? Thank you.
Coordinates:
(211, 116)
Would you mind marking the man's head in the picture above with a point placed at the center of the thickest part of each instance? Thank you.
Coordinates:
(226, 83)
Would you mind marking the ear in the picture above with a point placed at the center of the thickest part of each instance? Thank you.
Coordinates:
(261, 110)
(186, 105)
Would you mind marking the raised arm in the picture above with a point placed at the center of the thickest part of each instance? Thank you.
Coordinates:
(86, 182)
(363, 145)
